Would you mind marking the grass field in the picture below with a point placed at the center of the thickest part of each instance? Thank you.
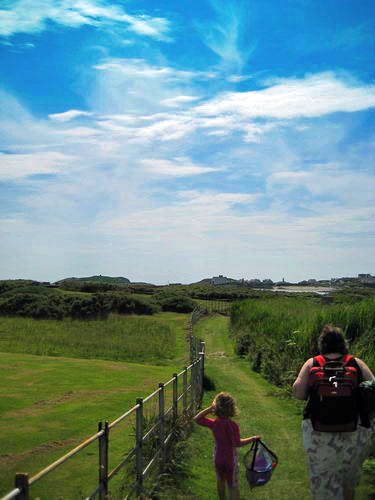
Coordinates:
(49, 404)
(117, 338)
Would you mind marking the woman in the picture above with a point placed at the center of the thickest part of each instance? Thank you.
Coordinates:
(334, 458)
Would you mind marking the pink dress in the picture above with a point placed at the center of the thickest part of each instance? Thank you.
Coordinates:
(227, 438)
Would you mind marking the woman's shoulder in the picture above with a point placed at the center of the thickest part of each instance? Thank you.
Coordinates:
(366, 372)
(308, 363)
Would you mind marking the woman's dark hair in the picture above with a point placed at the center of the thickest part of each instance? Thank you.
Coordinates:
(331, 339)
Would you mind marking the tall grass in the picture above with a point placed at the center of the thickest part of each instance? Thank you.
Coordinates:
(117, 338)
(279, 334)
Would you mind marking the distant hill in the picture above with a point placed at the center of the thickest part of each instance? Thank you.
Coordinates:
(205, 281)
(99, 279)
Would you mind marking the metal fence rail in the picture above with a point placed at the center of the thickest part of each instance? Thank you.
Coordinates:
(186, 394)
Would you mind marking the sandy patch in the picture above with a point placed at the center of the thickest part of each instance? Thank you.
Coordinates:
(7, 458)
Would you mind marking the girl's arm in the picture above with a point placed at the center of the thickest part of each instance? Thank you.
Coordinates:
(246, 441)
(203, 413)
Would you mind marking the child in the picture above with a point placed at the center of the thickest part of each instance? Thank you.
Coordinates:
(227, 439)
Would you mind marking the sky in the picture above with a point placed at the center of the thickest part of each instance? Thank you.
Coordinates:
(170, 141)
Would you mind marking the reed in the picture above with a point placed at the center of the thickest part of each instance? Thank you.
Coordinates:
(279, 334)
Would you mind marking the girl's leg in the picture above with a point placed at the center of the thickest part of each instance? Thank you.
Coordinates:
(234, 493)
(221, 488)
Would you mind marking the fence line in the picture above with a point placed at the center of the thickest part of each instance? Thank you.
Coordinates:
(185, 398)
(221, 306)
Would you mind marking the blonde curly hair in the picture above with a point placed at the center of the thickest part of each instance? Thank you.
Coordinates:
(224, 405)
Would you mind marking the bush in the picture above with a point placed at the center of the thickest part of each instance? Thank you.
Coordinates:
(33, 305)
(53, 305)
(176, 303)
(126, 304)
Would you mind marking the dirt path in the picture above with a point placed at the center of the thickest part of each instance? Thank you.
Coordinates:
(277, 420)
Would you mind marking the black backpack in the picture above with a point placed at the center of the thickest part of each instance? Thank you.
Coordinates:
(334, 401)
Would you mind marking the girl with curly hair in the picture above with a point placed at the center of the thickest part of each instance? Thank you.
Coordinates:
(227, 438)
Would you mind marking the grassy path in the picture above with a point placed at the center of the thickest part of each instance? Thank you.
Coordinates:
(278, 421)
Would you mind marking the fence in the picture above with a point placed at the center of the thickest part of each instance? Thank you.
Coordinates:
(183, 392)
(222, 306)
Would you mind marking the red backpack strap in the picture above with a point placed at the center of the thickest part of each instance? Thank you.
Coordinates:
(346, 359)
(319, 360)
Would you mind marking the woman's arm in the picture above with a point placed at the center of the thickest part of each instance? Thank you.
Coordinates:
(301, 384)
(366, 372)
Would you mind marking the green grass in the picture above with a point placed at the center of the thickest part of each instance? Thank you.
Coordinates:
(117, 338)
(48, 405)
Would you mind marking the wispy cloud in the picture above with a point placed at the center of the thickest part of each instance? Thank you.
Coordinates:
(18, 166)
(179, 100)
(23, 16)
(176, 167)
(68, 115)
(223, 37)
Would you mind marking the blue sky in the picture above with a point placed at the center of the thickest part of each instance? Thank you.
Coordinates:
(173, 141)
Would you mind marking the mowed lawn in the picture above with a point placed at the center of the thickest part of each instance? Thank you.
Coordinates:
(48, 405)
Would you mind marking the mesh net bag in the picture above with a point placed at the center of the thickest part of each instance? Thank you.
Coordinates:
(260, 462)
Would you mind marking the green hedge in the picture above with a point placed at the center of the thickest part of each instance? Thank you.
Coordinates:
(278, 335)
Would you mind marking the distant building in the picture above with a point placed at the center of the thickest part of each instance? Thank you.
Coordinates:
(268, 282)
(341, 281)
(220, 280)
(366, 278)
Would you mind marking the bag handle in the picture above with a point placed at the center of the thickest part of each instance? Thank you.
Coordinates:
(254, 446)
(270, 452)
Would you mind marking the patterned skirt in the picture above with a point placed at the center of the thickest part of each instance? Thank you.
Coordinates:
(334, 459)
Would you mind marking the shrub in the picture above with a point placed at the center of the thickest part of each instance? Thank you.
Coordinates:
(177, 303)
(126, 304)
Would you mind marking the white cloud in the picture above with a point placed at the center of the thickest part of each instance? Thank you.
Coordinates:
(25, 16)
(68, 115)
(17, 166)
(312, 96)
(134, 68)
(178, 100)
(238, 78)
(177, 167)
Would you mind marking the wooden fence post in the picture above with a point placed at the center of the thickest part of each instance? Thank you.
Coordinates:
(22, 482)
(194, 386)
(103, 461)
(138, 444)
(175, 402)
(162, 424)
(184, 389)
(202, 356)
